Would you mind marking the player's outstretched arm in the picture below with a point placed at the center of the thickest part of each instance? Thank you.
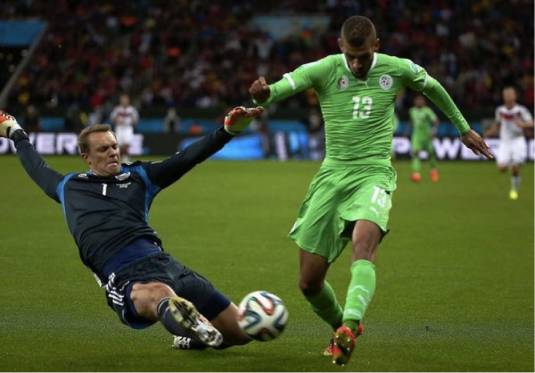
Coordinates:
(524, 123)
(173, 168)
(46, 178)
(470, 138)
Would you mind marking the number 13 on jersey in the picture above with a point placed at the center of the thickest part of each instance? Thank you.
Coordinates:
(379, 196)
(363, 107)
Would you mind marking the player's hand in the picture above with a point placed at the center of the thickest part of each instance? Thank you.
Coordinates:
(474, 142)
(260, 90)
(519, 123)
(8, 124)
(240, 117)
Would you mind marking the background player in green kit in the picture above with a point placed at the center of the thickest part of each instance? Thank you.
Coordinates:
(349, 199)
(422, 118)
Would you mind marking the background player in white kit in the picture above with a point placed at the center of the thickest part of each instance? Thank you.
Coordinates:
(511, 119)
(124, 117)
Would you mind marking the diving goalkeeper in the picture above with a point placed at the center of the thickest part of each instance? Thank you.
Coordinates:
(106, 209)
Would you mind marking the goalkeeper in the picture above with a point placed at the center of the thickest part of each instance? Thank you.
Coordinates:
(349, 199)
(106, 209)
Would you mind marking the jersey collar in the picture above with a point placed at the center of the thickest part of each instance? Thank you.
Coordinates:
(374, 62)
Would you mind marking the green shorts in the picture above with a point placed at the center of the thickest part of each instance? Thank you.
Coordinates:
(422, 142)
(337, 197)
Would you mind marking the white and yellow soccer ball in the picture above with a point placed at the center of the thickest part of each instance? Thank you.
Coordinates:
(262, 316)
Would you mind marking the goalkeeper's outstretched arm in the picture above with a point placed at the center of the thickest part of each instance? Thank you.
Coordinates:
(168, 171)
(173, 168)
(45, 177)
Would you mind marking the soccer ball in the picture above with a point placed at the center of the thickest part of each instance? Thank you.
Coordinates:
(262, 316)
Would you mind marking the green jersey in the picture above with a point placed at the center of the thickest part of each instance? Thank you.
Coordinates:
(358, 114)
(421, 120)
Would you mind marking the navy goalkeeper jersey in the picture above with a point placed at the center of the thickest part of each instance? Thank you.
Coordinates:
(104, 214)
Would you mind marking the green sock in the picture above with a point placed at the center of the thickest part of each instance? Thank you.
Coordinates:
(432, 159)
(360, 292)
(326, 306)
(416, 164)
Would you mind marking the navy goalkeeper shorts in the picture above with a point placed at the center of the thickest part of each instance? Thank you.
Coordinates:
(162, 268)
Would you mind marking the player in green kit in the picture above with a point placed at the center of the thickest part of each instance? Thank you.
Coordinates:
(421, 119)
(349, 199)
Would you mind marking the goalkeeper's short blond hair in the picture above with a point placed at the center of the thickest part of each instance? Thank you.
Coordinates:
(83, 143)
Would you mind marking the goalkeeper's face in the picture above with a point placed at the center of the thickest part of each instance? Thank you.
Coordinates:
(103, 156)
(359, 58)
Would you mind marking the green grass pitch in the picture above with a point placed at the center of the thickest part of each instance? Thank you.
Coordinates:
(454, 292)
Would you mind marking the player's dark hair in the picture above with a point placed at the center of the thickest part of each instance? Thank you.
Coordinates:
(83, 144)
(356, 30)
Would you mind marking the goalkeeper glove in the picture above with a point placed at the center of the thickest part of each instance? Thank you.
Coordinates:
(8, 125)
(240, 117)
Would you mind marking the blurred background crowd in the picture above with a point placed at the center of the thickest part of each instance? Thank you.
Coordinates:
(205, 54)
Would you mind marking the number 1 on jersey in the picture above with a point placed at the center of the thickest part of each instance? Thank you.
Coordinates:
(104, 187)
(363, 107)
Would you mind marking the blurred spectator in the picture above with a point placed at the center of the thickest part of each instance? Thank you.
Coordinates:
(261, 125)
(75, 118)
(263, 46)
(96, 116)
(171, 122)
(316, 134)
(206, 54)
(31, 120)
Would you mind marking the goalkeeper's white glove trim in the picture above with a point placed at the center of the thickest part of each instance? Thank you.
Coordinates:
(8, 124)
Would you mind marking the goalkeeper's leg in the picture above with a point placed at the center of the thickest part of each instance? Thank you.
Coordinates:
(157, 301)
(187, 317)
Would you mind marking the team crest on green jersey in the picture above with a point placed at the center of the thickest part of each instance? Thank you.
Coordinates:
(343, 83)
(386, 82)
